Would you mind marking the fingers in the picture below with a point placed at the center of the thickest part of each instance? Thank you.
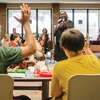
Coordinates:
(88, 40)
(24, 8)
(26, 11)
(29, 10)
(21, 8)
(16, 18)
(27, 7)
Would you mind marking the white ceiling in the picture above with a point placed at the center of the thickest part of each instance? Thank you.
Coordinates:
(51, 1)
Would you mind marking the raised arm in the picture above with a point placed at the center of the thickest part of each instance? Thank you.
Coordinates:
(86, 46)
(30, 47)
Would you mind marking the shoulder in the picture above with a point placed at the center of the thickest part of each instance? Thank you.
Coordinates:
(2, 40)
(9, 49)
(11, 35)
(11, 42)
(69, 21)
(60, 65)
(93, 56)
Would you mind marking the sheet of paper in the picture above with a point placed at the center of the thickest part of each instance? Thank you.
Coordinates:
(17, 74)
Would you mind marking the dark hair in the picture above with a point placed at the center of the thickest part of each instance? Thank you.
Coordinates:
(72, 40)
(45, 29)
(14, 29)
(64, 12)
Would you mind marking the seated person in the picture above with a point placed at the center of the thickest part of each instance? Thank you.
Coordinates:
(32, 59)
(39, 52)
(13, 55)
(5, 40)
(72, 42)
(42, 40)
(16, 42)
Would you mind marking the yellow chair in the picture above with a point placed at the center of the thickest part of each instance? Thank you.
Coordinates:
(84, 87)
(6, 87)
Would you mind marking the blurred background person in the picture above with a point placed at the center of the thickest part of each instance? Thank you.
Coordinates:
(44, 40)
(36, 35)
(39, 53)
(63, 24)
(16, 42)
(41, 40)
(5, 40)
(44, 31)
(11, 36)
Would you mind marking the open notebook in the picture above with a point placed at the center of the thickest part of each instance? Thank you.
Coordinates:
(20, 75)
(27, 74)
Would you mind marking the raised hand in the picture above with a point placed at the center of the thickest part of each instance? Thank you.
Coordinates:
(87, 42)
(26, 12)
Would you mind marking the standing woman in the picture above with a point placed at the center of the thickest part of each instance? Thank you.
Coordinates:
(46, 42)
(63, 24)
(45, 31)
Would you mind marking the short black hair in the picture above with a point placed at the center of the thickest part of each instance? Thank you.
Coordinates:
(72, 40)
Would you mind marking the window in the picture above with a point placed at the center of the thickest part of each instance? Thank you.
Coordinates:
(87, 21)
(93, 23)
(44, 21)
(32, 22)
(12, 22)
(39, 19)
(80, 21)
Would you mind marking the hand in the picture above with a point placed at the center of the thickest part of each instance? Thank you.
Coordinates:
(64, 24)
(86, 46)
(87, 43)
(54, 31)
(26, 11)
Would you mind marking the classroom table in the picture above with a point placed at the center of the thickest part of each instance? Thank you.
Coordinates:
(35, 78)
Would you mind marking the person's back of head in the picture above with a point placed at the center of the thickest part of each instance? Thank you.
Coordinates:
(72, 40)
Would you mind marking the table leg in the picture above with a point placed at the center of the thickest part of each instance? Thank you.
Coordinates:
(45, 89)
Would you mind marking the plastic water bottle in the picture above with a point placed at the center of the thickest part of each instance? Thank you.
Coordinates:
(47, 59)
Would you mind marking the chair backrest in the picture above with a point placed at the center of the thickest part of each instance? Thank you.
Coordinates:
(6, 87)
(84, 87)
(95, 48)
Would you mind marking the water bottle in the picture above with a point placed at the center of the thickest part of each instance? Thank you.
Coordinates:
(47, 59)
